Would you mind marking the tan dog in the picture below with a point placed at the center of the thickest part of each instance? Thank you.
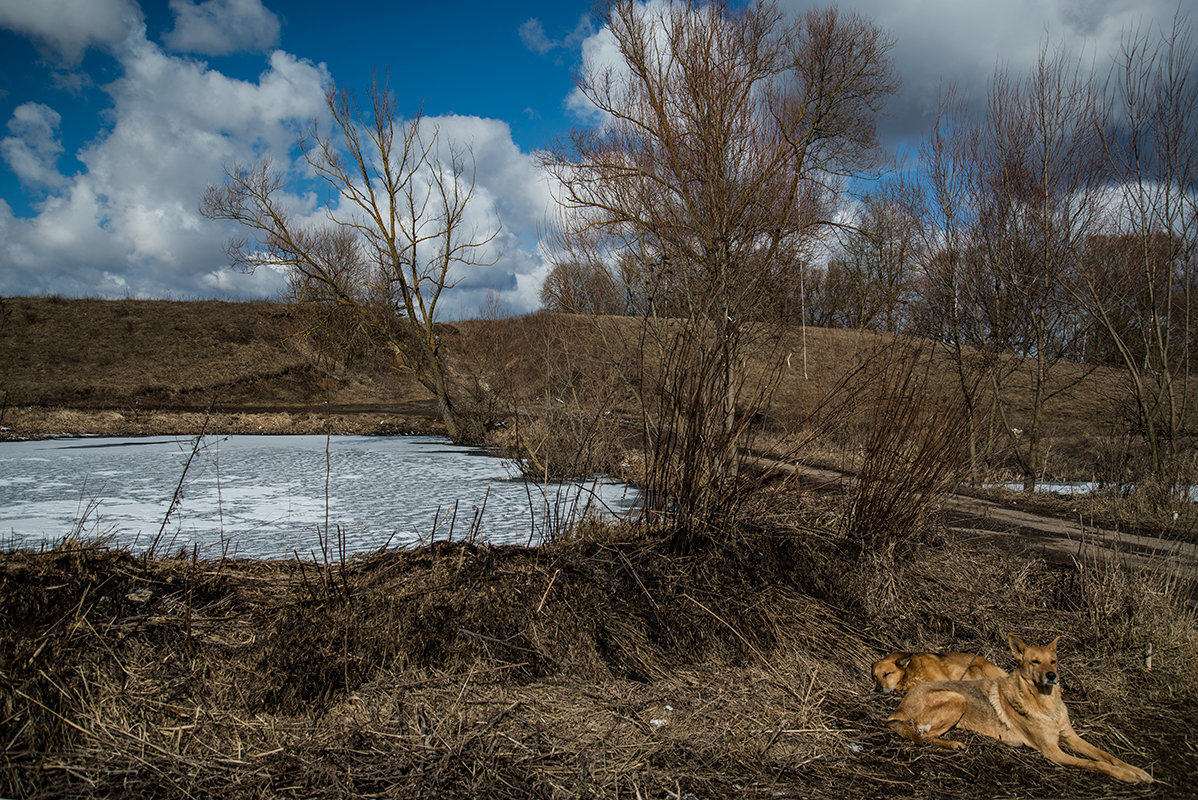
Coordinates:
(898, 672)
(1023, 708)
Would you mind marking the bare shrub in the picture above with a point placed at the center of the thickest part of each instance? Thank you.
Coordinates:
(551, 391)
(1137, 606)
(912, 455)
(567, 445)
(1163, 499)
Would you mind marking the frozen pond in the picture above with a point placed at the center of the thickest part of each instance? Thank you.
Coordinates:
(270, 496)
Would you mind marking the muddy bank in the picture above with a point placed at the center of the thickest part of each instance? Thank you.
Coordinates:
(31, 422)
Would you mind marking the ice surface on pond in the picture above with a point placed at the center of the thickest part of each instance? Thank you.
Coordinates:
(268, 496)
(1059, 487)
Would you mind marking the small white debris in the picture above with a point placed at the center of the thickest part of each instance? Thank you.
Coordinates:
(139, 596)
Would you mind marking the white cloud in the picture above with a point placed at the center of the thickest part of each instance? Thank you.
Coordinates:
(602, 60)
(513, 179)
(33, 149)
(69, 27)
(220, 27)
(943, 41)
(532, 33)
(129, 223)
(600, 52)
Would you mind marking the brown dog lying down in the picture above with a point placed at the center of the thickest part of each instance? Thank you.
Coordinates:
(1023, 708)
(898, 672)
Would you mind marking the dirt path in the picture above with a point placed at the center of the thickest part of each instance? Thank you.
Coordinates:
(1059, 540)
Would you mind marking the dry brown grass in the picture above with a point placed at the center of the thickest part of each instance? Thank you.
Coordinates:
(133, 355)
(601, 666)
(119, 354)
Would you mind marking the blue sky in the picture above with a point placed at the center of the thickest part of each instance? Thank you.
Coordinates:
(115, 114)
(455, 58)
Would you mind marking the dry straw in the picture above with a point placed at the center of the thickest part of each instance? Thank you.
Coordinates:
(603, 665)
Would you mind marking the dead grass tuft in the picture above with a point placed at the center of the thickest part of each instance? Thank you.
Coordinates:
(603, 665)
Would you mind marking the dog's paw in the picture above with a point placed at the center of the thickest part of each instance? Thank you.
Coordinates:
(1141, 776)
(949, 743)
(1130, 774)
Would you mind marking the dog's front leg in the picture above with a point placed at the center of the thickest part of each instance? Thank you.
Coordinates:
(1080, 746)
(1124, 772)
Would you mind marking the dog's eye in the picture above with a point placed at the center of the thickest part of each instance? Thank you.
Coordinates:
(1035, 661)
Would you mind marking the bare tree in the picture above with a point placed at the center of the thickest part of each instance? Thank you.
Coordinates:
(1035, 194)
(398, 235)
(1145, 303)
(949, 300)
(725, 143)
(1046, 173)
(873, 269)
(582, 288)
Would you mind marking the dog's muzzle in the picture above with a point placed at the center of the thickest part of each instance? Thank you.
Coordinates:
(882, 690)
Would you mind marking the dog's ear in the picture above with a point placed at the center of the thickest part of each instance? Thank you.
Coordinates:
(1017, 646)
(1053, 644)
(902, 661)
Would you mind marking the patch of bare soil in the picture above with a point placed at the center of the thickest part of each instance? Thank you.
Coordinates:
(605, 666)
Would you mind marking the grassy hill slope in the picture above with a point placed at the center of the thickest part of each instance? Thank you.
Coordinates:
(151, 366)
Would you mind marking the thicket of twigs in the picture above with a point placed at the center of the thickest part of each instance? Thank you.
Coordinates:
(602, 665)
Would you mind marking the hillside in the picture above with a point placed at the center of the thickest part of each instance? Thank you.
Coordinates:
(130, 367)
(153, 366)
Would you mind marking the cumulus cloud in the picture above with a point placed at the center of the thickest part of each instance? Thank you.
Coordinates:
(220, 27)
(33, 149)
(129, 222)
(602, 60)
(69, 27)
